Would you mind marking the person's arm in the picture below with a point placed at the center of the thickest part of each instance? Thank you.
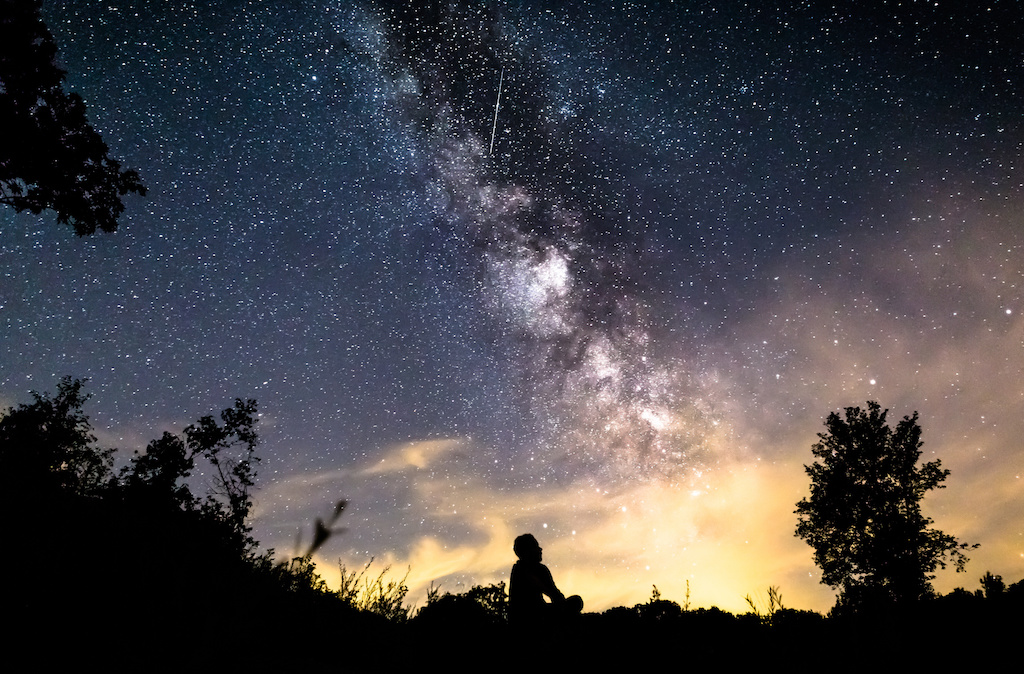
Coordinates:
(548, 586)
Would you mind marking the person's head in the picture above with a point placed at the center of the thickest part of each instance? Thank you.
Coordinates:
(527, 548)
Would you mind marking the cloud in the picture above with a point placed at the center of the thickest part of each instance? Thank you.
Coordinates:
(929, 325)
(416, 455)
(922, 327)
(728, 530)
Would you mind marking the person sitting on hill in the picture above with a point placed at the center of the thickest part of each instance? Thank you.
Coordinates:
(531, 581)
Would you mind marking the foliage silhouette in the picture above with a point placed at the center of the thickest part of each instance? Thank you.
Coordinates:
(766, 609)
(161, 470)
(658, 609)
(481, 605)
(863, 517)
(51, 157)
(992, 586)
(137, 552)
(378, 594)
(117, 569)
(231, 450)
(323, 531)
(159, 476)
(47, 447)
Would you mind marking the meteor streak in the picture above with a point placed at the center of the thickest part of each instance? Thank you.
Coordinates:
(494, 126)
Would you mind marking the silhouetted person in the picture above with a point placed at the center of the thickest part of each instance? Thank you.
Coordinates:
(531, 581)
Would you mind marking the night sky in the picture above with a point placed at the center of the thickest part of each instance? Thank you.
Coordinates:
(613, 314)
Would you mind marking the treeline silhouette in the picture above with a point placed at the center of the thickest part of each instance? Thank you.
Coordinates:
(133, 570)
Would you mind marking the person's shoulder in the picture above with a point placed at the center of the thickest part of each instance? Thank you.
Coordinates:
(528, 567)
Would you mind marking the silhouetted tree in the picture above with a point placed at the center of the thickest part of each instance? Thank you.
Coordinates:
(51, 157)
(161, 470)
(230, 448)
(480, 605)
(47, 447)
(138, 553)
(863, 517)
(992, 586)
(159, 475)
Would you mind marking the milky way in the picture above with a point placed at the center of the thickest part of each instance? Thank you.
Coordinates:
(560, 260)
(701, 228)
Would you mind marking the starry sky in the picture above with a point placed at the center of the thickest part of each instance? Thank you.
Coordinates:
(596, 271)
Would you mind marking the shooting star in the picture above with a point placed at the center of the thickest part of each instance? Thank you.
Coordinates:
(497, 103)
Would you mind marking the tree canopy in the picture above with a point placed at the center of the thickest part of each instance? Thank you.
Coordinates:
(47, 447)
(863, 517)
(51, 157)
(48, 454)
(117, 565)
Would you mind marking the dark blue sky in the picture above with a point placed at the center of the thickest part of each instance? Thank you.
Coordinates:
(703, 227)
